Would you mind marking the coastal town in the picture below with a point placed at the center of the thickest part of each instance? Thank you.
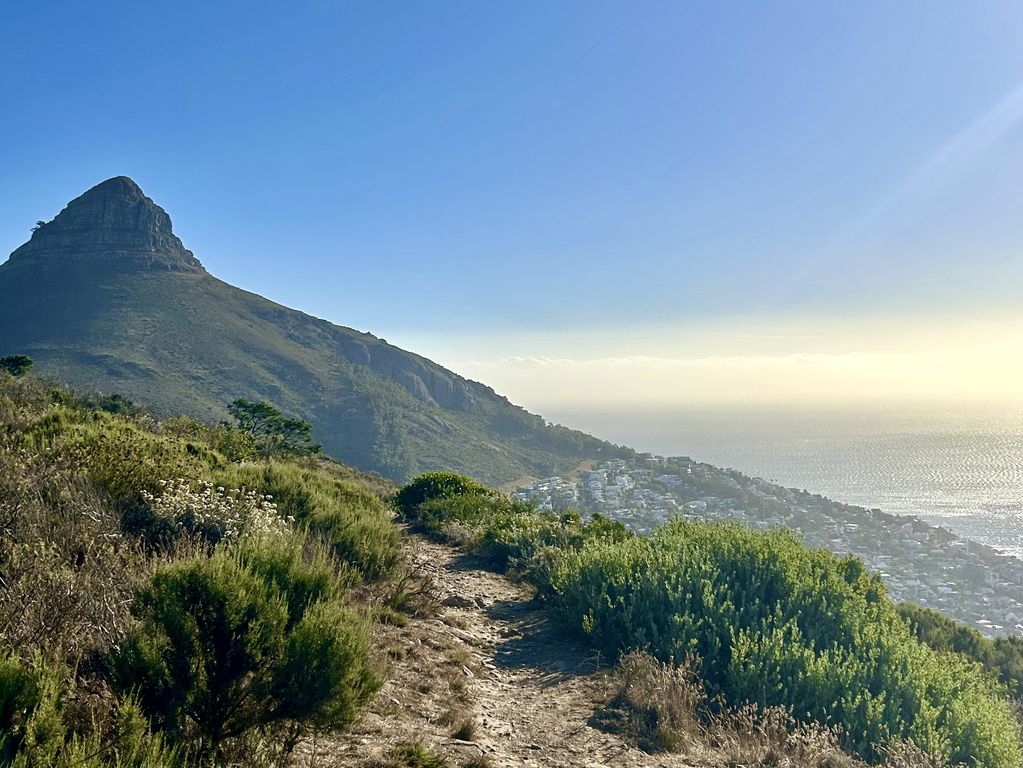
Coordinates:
(918, 562)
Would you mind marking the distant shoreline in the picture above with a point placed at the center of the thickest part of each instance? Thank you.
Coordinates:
(960, 467)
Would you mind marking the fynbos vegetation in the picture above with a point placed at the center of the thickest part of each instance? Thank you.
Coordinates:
(173, 594)
(166, 601)
(766, 624)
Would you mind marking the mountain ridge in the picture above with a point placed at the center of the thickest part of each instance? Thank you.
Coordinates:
(106, 297)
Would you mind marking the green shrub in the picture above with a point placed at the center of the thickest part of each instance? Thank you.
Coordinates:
(35, 729)
(117, 455)
(1003, 656)
(202, 657)
(300, 570)
(324, 678)
(19, 697)
(230, 442)
(352, 520)
(506, 532)
(435, 485)
(776, 624)
(223, 650)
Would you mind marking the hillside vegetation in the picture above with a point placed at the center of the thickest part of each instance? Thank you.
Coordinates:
(760, 620)
(179, 594)
(1003, 656)
(165, 598)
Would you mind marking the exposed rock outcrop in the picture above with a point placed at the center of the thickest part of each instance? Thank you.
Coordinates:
(113, 226)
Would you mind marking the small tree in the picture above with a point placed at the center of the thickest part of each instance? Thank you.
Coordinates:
(16, 365)
(274, 432)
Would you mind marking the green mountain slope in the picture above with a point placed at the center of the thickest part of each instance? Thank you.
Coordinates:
(107, 298)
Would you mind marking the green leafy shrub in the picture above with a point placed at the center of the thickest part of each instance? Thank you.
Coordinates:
(34, 727)
(229, 441)
(324, 678)
(351, 519)
(435, 485)
(1002, 655)
(117, 455)
(19, 697)
(209, 634)
(776, 624)
(502, 531)
(223, 650)
(301, 570)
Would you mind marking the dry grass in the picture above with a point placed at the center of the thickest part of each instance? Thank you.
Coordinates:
(900, 754)
(411, 589)
(466, 730)
(455, 620)
(69, 575)
(656, 706)
(661, 707)
(772, 737)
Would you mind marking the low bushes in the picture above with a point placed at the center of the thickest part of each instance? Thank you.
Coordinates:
(502, 531)
(38, 729)
(157, 607)
(429, 486)
(243, 644)
(131, 459)
(352, 519)
(768, 622)
(776, 624)
(1002, 655)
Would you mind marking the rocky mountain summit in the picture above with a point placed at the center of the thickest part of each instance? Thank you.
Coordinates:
(113, 225)
(106, 297)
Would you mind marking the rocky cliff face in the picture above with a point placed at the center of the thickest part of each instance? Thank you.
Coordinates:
(112, 226)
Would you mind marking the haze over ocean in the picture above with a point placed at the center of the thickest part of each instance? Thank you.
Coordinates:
(956, 466)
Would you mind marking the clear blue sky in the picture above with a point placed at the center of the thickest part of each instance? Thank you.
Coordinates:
(452, 168)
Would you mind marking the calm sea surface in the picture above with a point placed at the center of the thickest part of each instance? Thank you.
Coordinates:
(961, 468)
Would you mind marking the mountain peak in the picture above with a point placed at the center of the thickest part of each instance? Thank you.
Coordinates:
(112, 226)
(122, 186)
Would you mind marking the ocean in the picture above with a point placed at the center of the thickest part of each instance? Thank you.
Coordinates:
(961, 468)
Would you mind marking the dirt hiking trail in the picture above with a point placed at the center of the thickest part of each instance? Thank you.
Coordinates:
(482, 675)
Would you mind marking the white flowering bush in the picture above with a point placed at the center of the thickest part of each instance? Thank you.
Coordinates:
(215, 513)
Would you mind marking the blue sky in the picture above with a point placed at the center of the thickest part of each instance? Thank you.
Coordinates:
(497, 182)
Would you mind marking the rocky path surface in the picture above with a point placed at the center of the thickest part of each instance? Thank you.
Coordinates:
(482, 679)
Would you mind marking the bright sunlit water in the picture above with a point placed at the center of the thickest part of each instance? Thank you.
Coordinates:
(957, 467)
